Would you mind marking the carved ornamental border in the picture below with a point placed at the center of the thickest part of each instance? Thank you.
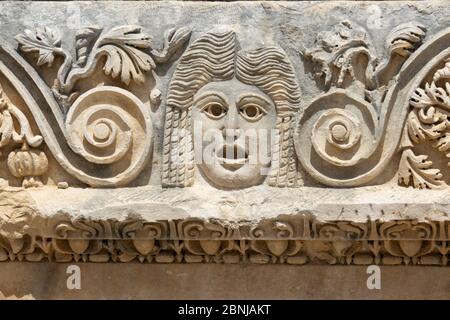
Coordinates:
(291, 239)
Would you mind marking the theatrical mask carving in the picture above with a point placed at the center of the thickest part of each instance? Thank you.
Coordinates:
(236, 108)
(241, 118)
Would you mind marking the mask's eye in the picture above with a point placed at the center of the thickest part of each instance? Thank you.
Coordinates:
(252, 112)
(214, 110)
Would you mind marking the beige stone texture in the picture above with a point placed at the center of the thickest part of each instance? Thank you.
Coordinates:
(201, 281)
(224, 149)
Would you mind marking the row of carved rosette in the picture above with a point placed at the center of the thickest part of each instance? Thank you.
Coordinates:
(345, 137)
(297, 240)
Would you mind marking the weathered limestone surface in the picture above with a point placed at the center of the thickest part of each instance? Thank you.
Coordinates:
(225, 133)
(220, 281)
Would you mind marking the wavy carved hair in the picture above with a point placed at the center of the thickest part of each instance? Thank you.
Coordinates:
(214, 57)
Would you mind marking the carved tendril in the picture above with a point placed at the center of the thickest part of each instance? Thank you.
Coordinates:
(127, 50)
(345, 52)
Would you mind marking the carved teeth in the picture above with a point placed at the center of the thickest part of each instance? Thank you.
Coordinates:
(232, 157)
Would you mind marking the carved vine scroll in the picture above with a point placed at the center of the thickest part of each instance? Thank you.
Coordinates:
(103, 137)
(354, 125)
(122, 46)
(373, 106)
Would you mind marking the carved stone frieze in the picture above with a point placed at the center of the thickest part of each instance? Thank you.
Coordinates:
(292, 240)
(180, 134)
(248, 102)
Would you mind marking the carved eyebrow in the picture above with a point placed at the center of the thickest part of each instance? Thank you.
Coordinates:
(250, 97)
(209, 94)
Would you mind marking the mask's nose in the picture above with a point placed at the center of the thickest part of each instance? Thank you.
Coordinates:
(231, 130)
(232, 118)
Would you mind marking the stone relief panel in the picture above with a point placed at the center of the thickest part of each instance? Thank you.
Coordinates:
(216, 138)
(234, 118)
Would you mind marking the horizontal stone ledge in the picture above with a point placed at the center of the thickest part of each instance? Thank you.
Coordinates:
(263, 225)
(207, 213)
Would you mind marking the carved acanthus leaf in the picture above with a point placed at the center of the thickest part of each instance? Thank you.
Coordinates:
(15, 128)
(405, 38)
(426, 124)
(123, 49)
(173, 39)
(43, 41)
(417, 171)
(443, 73)
(8, 132)
(427, 121)
(443, 144)
(431, 96)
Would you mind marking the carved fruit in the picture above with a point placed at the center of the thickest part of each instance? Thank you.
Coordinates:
(78, 245)
(210, 246)
(29, 165)
(410, 247)
(155, 97)
(144, 247)
(277, 247)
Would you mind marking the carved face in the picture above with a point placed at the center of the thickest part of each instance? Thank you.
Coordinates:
(236, 122)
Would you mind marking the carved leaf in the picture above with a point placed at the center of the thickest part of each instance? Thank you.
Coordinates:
(443, 73)
(173, 40)
(431, 116)
(123, 49)
(405, 38)
(416, 170)
(8, 131)
(427, 125)
(431, 96)
(44, 41)
(443, 143)
(415, 130)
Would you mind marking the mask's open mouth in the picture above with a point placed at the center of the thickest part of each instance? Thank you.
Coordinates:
(232, 157)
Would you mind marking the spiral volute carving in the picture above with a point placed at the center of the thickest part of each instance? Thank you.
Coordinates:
(110, 126)
(335, 132)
